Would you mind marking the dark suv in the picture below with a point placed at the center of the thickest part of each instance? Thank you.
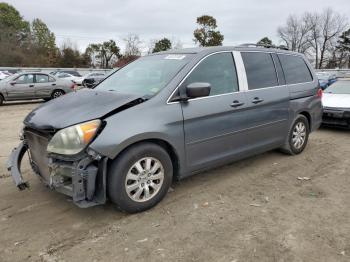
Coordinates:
(167, 116)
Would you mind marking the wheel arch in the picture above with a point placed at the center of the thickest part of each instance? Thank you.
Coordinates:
(308, 117)
(173, 154)
(58, 89)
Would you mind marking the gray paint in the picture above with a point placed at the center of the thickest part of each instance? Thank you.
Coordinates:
(207, 132)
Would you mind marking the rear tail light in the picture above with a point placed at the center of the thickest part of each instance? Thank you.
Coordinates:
(319, 93)
(73, 86)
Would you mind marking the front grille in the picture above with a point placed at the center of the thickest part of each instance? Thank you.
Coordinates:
(37, 145)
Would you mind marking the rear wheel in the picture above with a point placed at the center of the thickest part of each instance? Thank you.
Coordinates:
(1, 99)
(57, 93)
(140, 177)
(297, 137)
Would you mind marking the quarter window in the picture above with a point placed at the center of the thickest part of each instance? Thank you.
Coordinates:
(295, 69)
(219, 71)
(260, 70)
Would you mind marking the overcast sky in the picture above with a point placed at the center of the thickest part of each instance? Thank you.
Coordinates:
(86, 21)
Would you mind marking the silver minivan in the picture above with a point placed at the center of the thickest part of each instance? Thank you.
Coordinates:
(167, 116)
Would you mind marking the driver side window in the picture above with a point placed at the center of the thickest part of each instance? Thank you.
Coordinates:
(219, 71)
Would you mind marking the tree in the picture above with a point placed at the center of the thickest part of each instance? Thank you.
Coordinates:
(343, 49)
(314, 34)
(295, 34)
(69, 56)
(265, 42)
(206, 34)
(331, 26)
(162, 45)
(104, 53)
(132, 45)
(14, 34)
(42, 37)
(43, 43)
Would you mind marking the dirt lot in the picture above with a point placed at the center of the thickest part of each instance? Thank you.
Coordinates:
(253, 210)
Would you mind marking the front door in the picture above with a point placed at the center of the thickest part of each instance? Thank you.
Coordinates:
(21, 88)
(213, 124)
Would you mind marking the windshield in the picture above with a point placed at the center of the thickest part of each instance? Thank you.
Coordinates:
(146, 76)
(340, 87)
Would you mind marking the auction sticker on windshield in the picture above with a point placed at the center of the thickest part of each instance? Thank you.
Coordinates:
(175, 57)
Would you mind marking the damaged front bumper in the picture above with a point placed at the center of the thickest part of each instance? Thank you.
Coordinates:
(82, 178)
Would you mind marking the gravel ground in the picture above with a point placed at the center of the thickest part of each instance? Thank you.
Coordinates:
(251, 210)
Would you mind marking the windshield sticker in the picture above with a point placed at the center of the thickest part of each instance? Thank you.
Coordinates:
(175, 57)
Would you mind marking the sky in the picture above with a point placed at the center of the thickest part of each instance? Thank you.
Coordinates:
(91, 21)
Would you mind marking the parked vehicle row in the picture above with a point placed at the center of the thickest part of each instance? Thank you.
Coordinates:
(167, 116)
(28, 86)
(90, 80)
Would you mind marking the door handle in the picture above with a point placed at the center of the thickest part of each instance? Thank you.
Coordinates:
(31, 85)
(257, 100)
(236, 103)
(53, 84)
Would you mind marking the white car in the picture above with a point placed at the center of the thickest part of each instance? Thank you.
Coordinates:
(3, 75)
(75, 79)
(336, 104)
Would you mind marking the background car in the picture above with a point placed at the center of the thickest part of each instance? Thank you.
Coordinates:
(4, 74)
(28, 86)
(93, 79)
(74, 79)
(326, 79)
(71, 72)
(336, 104)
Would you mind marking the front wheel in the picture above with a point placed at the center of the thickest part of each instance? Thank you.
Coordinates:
(297, 137)
(140, 177)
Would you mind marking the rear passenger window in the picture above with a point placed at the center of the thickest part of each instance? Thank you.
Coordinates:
(219, 71)
(260, 70)
(42, 78)
(295, 69)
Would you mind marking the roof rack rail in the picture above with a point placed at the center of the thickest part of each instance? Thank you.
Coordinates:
(282, 47)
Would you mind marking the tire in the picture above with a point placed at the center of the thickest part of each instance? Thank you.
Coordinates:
(299, 132)
(124, 172)
(1, 99)
(57, 93)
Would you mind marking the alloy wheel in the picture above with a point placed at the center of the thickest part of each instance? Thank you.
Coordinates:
(144, 179)
(299, 135)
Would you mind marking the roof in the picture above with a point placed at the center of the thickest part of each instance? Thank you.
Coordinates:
(213, 49)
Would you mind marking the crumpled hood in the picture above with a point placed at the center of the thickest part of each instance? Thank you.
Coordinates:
(336, 100)
(76, 107)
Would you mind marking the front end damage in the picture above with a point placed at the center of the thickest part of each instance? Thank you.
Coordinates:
(82, 177)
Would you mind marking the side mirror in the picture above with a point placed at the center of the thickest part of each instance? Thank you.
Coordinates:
(12, 83)
(198, 89)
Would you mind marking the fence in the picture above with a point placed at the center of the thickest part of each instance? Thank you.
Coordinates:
(341, 73)
(82, 71)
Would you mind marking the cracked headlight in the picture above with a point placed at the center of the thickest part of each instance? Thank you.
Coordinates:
(73, 139)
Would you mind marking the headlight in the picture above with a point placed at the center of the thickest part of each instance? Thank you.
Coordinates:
(73, 139)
